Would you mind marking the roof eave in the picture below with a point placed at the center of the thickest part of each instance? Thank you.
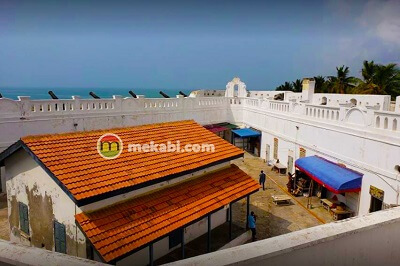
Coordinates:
(115, 260)
(86, 201)
(10, 150)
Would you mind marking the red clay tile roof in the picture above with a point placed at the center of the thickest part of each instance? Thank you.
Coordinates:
(119, 229)
(73, 158)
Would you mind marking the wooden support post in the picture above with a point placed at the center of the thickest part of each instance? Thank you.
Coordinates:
(230, 221)
(209, 234)
(247, 211)
(183, 243)
(151, 255)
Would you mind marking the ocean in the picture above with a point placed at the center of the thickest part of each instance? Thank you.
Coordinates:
(66, 93)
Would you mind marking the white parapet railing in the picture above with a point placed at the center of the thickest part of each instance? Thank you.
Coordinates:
(279, 106)
(25, 107)
(322, 112)
(367, 240)
(386, 120)
(78, 114)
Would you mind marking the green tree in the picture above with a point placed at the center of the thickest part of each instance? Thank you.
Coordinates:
(379, 79)
(320, 84)
(342, 82)
(287, 86)
(297, 86)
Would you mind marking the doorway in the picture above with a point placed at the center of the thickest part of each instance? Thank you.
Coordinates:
(267, 152)
(376, 204)
(290, 165)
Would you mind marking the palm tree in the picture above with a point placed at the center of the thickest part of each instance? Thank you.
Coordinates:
(368, 70)
(297, 86)
(342, 82)
(379, 79)
(320, 85)
(287, 86)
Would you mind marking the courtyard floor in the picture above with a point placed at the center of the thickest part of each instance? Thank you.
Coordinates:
(275, 220)
(272, 220)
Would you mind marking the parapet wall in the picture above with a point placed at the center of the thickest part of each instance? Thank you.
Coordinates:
(368, 240)
(30, 117)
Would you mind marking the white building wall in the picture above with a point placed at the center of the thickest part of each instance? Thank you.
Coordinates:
(26, 178)
(28, 183)
(365, 152)
(161, 248)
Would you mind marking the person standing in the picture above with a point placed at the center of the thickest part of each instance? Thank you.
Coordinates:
(262, 179)
(252, 225)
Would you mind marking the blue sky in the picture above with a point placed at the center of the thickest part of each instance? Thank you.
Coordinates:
(190, 44)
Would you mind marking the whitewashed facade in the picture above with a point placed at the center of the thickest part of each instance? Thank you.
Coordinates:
(355, 130)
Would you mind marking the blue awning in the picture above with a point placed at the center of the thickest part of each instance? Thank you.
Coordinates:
(246, 133)
(334, 177)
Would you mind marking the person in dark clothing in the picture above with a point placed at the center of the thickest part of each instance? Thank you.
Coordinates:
(252, 225)
(262, 179)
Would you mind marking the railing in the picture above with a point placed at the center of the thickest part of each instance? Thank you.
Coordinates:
(235, 101)
(160, 103)
(386, 120)
(211, 101)
(322, 112)
(25, 107)
(279, 106)
(252, 102)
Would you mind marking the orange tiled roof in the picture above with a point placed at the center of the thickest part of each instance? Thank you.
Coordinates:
(119, 229)
(73, 158)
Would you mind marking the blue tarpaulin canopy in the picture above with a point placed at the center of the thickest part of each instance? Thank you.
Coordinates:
(246, 133)
(334, 177)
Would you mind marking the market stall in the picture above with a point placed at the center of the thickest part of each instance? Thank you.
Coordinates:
(334, 183)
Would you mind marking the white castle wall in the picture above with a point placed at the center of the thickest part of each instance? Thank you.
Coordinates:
(364, 139)
(341, 134)
(31, 117)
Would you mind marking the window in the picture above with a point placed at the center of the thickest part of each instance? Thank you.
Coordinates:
(175, 238)
(275, 148)
(59, 237)
(302, 152)
(23, 218)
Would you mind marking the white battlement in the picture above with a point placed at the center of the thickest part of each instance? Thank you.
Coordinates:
(26, 117)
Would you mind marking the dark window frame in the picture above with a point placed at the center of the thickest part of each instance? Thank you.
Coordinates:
(175, 238)
(60, 241)
(23, 217)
